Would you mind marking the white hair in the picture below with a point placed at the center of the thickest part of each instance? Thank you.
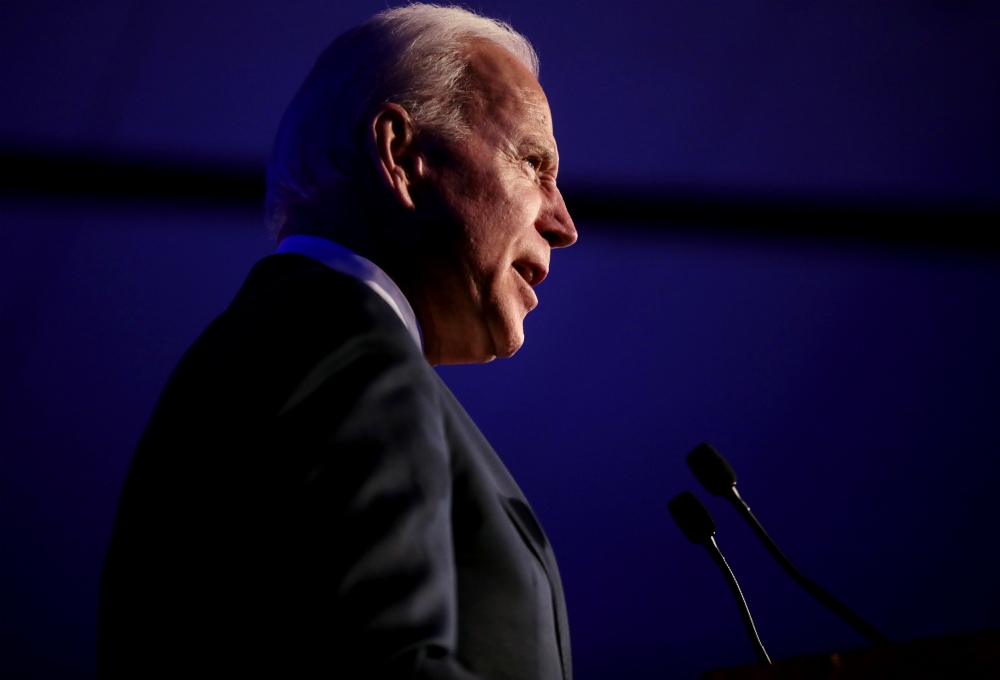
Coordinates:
(412, 56)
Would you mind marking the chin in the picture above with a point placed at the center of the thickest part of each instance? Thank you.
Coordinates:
(480, 351)
(499, 337)
(511, 341)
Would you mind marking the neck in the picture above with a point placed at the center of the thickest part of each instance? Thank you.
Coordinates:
(375, 238)
(341, 223)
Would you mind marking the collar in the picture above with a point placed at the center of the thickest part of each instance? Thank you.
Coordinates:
(345, 261)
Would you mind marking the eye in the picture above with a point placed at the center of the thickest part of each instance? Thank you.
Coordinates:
(534, 161)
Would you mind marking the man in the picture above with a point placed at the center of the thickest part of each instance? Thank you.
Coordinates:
(308, 498)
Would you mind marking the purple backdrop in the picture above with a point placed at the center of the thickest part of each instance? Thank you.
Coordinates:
(853, 385)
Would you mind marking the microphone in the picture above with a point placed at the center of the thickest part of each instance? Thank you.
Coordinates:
(719, 479)
(699, 527)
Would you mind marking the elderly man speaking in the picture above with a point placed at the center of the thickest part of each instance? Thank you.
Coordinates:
(309, 499)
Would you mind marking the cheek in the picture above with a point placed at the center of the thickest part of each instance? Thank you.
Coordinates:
(492, 240)
(504, 297)
(497, 220)
(512, 223)
(508, 221)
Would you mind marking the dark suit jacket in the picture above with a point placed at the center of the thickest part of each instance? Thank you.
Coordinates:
(309, 499)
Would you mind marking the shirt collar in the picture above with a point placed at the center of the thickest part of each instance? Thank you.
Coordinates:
(345, 261)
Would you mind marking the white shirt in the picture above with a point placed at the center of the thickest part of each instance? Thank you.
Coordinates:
(345, 261)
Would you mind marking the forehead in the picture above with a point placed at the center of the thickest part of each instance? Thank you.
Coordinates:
(508, 94)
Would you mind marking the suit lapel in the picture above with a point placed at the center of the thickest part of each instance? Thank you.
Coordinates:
(509, 491)
(531, 532)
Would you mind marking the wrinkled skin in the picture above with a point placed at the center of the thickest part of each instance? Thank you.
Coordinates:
(492, 205)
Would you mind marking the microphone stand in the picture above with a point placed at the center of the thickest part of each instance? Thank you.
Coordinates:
(697, 524)
(758, 646)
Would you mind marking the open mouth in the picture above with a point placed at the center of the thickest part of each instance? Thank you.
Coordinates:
(532, 274)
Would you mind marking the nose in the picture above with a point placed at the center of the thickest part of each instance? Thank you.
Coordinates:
(556, 225)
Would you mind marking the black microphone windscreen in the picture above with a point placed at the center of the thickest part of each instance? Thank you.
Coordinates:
(711, 469)
(692, 517)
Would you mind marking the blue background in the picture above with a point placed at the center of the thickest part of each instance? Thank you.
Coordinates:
(852, 383)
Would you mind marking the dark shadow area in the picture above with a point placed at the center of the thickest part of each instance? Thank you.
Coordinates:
(931, 223)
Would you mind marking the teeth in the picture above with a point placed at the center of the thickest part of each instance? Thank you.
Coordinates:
(525, 272)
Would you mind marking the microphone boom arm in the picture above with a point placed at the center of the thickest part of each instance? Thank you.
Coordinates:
(810, 586)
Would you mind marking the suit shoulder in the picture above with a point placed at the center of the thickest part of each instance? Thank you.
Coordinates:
(291, 313)
(293, 304)
(299, 284)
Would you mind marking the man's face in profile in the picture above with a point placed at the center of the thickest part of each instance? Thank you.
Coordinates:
(498, 186)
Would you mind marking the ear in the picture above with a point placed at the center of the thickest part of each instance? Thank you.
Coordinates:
(393, 145)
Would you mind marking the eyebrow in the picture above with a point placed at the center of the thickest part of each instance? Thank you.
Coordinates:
(540, 149)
